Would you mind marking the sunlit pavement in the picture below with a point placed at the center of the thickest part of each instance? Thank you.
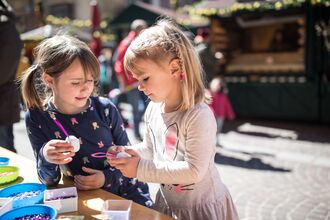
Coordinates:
(274, 170)
(281, 173)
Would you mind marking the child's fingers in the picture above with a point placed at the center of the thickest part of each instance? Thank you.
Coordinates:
(112, 150)
(81, 185)
(59, 143)
(86, 180)
(60, 149)
(64, 155)
(117, 161)
(115, 149)
(110, 156)
(62, 161)
(90, 170)
(83, 180)
(93, 181)
(61, 158)
(131, 152)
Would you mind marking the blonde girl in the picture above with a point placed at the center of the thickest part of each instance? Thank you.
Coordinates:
(179, 144)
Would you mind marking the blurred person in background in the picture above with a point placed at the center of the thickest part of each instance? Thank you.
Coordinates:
(10, 53)
(207, 56)
(24, 64)
(127, 84)
(105, 71)
(220, 104)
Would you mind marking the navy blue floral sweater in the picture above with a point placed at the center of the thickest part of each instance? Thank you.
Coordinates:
(98, 127)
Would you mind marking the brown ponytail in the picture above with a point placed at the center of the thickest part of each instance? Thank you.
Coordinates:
(30, 94)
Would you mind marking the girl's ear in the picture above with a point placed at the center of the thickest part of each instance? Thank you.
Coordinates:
(175, 67)
(48, 80)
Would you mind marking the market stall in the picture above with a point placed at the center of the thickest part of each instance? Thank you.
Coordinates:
(271, 56)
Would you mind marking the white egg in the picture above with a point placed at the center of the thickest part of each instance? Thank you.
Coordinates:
(74, 142)
(123, 155)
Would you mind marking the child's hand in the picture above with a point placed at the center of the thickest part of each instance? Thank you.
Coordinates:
(58, 152)
(116, 149)
(128, 165)
(95, 180)
(113, 151)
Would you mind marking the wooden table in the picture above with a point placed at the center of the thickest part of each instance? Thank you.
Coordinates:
(89, 202)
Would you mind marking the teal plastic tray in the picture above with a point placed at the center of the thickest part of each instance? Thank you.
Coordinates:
(24, 194)
(29, 210)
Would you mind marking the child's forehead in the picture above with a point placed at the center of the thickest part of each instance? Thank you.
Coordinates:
(81, 74)
(141, 65)
(138, 72)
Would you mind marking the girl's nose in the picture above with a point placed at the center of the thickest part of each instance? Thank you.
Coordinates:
(84, 86)
(140, 87)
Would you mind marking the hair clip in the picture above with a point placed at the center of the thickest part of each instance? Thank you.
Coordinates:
(181, 76)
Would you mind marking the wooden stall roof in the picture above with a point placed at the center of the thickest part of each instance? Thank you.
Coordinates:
(41, 33)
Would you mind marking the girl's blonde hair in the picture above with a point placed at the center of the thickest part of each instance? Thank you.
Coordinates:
(53, 56)
(165, 39)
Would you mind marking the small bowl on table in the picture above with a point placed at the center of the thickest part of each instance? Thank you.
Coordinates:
(4, 161)
(8, 174)
(44, 212)
(62, 199)
(116, 209)
(24, 194)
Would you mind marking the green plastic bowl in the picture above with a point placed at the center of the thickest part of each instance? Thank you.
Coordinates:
(8, 174)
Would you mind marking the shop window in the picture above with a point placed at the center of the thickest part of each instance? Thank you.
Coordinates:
(265, 45)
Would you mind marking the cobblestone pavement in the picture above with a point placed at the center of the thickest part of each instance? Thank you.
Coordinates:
(274, 170)
(272, 177)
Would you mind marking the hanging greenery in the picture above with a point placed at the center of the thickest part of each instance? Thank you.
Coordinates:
(202, 9)
(57, 21)
(81, 24)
